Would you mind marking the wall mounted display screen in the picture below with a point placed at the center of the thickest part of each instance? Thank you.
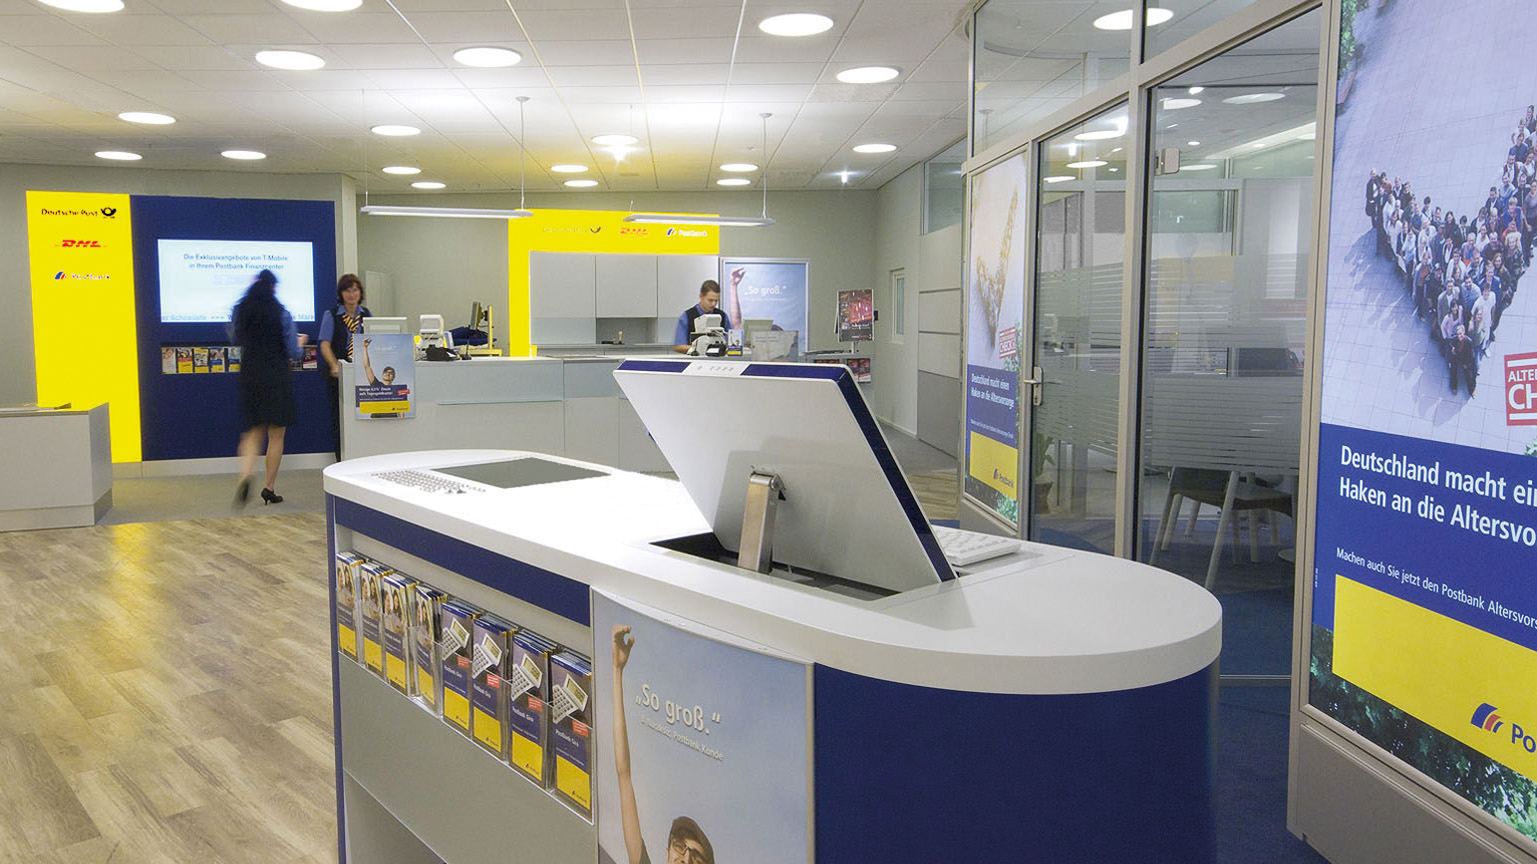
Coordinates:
(1424, 628)
(770, 288)
(201, 280)
(995, 310)
(856, 315)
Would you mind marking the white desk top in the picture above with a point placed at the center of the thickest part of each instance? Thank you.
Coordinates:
(1048, 620)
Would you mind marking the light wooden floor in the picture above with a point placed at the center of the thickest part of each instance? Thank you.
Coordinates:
(165, 693)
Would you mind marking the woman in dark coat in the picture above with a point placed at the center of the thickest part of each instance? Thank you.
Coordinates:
(268, 340)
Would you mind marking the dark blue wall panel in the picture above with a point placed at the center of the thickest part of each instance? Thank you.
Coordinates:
(916, 774)
(198, 416)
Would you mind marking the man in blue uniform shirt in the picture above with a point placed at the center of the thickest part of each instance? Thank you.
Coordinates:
(709, 304)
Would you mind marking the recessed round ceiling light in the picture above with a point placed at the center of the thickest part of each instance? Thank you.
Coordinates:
(1252, 98)
(294, 61)
(118, 155)
(246, 155)
(614, 140)
(1122, 20)
(1196, 91)
(867, 74)
(1088, 163)
(732, 181)
(796, 24)
(1192, 143)
(1060, 178)
(428, 184)
(1099, 135)
(569, 169)
(874, 148)
(395, 131)
(147, 117)
(326, 5)
(488, 57)
(1199, 166)
(581, 184)
(401, 169)
(86, 5)
(1176, 104)
(738, 167)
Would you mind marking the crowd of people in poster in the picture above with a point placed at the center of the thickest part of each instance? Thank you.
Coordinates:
(1462, 272)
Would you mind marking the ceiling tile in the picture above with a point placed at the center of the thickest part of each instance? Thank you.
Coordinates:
(470, 27)
(685, 51)
(272, 29)
(95, 58)
(26, 31)
(356, 27)
(140, 30)
(387, 56)
(564, 23)
(609, 52)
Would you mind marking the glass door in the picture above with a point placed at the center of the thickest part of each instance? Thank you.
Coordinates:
(1079, 264)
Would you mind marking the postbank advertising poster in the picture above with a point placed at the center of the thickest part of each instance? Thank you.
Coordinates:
(856, 315)
(1424, 628)
(385, 376)
(718, 740)
(995, 309)
(765, 288)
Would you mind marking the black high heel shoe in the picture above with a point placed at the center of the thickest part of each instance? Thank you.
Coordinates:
(243, 492)
(271, 497)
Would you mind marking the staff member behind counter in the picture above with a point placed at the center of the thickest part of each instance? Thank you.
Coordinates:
(709, 304)
(337, 326)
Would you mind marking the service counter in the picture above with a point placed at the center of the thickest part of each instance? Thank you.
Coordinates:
(567, 406)
(1052, 705)
(55, 467)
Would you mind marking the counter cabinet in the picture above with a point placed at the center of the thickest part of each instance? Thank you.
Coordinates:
(1055, 706)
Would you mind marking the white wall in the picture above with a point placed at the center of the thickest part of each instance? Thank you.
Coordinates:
(19, 383)
(442, 265)
(894, 368)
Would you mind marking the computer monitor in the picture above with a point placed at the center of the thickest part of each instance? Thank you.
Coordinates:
(847, 510)
(477, 312)
(377, 324)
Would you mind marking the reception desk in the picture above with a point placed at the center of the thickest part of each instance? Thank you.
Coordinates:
(1051, 705)
(55, 467)
(567, 406)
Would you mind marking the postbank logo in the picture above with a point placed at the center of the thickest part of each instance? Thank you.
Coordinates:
(1521, 389)
(685, 232)
(1487, 718)
(89, 277)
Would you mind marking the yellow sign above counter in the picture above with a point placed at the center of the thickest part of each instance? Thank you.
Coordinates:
(587, 231)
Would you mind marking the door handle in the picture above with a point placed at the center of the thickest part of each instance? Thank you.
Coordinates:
(1036, 381)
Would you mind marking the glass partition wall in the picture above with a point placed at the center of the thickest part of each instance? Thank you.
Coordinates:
(1224, 328)
(1192, 125)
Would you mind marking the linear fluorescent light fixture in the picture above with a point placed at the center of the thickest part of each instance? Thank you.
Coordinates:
(443, 212)
(699, 219)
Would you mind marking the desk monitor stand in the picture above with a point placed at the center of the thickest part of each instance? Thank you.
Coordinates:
(845, 510)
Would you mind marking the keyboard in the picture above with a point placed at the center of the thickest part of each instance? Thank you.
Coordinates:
(964, 548)
(426, 482)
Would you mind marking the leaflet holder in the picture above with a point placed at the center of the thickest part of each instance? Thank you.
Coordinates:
(764, 491)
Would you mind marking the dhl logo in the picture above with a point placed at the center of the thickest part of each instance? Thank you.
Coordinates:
(80, 244)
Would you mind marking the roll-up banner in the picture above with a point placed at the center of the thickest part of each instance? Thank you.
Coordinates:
(1424, 628)
(995, 309)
